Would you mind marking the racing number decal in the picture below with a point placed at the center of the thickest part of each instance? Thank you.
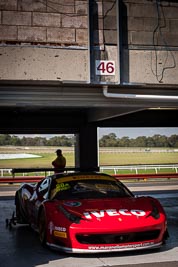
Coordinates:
(105, 67)
(62, 187)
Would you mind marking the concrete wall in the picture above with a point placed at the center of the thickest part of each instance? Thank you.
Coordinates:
(44, 40)
(49, 40)
(32, 63)
(104, 35)
(150, 41)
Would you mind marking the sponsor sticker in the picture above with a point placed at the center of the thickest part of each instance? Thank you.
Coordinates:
(73, 203)
(51, 227)
(60, 234)
(83, 177)
(56, 229)
(62, 187)
(146, 244)
(59, 228)
(114, 212)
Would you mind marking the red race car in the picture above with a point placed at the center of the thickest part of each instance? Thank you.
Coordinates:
(87, 212)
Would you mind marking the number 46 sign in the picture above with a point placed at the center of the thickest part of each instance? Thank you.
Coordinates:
(105, 67)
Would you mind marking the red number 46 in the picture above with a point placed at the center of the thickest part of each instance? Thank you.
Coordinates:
(105, 67)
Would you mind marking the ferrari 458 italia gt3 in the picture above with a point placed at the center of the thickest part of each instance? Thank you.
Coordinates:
(87, 212)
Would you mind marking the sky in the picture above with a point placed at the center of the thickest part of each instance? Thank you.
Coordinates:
(135, 132)
(120, 132)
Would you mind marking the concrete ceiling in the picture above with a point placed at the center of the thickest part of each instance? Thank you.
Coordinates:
(35, 106)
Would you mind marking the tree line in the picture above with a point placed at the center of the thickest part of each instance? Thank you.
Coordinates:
(157, 140)
(109, 140)
(13, 140)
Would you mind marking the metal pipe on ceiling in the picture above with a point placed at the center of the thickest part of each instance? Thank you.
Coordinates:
(138, 96)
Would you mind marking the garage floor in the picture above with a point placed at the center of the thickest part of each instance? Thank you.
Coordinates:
(20, 247)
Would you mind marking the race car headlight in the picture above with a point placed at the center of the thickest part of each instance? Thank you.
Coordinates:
(71, 216)
(155, 212)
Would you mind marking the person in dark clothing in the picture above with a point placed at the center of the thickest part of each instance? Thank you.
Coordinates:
(60, 161)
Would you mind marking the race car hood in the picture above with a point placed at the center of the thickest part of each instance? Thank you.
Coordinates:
(128, 211)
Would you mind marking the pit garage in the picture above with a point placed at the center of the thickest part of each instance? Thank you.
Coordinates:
(53, 80)
(36, 107)
(54, 108)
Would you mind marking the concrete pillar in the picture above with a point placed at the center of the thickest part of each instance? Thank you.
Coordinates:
(86, 149)
(77, 151)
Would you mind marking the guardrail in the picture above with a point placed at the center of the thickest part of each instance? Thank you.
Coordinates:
(136, 168)
(20, 179)
(115, 169)
(35, 178)
(146, 176)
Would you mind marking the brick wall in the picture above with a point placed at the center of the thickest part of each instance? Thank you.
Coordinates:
(151, 19)
(59, 22)
(150, 41)
(149, 37)
(65, 22)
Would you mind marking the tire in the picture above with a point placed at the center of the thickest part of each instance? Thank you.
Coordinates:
(42, 228)
(19, 216)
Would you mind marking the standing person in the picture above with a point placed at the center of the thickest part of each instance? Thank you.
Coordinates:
(60, 161)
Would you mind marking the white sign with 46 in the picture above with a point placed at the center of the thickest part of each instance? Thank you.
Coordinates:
(105, 67)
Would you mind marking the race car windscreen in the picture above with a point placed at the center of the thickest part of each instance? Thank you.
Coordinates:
(86, 187)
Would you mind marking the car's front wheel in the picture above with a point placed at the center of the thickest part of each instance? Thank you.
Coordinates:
(42, 227)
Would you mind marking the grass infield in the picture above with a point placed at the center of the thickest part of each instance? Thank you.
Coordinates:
(107, 157)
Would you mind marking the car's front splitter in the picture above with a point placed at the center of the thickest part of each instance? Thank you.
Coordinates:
(103, 248)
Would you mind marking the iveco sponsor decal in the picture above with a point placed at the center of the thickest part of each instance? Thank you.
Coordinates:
(114, 212)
